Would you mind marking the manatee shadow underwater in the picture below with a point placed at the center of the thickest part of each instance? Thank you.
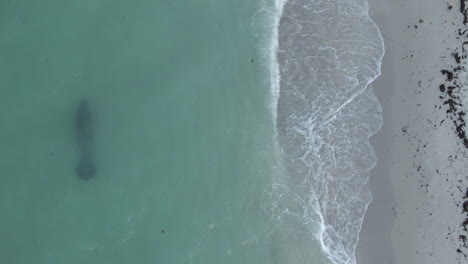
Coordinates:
(86, 167)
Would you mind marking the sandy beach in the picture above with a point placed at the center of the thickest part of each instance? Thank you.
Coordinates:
(419, 183)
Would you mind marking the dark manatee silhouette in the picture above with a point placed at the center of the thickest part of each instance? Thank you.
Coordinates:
(86, 168)
(84, 129)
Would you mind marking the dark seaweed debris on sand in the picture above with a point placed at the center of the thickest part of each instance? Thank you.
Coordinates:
(451, 89)
(463, 237)
(464, 11)
(451, 96)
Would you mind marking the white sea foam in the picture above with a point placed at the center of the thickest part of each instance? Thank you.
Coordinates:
(265, 24)
(326, 52)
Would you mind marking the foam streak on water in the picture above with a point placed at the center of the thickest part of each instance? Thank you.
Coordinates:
(329, 51)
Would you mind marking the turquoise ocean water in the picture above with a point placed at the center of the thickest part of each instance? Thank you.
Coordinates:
(195, 162)
(183, 132)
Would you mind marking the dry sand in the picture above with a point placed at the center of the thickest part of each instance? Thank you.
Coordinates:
(419, 181)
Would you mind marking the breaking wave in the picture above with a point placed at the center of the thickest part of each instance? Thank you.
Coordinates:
(323, 55)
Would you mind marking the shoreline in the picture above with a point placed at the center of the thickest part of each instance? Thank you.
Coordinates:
(418, 181)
